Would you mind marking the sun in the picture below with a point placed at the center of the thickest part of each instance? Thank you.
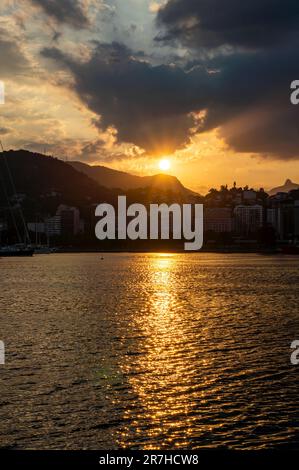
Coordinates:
(164, 164)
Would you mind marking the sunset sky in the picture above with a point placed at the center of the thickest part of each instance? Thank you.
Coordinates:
(126, 83)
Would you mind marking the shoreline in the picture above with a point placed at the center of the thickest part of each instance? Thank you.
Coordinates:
(220, 251)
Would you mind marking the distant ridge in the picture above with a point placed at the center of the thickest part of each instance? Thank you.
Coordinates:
(38, 175)
(288, 186)
(45, 182)
(113, 179)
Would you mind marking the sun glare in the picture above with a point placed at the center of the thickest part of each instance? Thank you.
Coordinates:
(164, 164)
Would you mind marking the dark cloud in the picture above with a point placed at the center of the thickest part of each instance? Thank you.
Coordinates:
(214, 23)
(251, 104)
(69, 12)
(251, 96)
(245, 93)
(149, 105)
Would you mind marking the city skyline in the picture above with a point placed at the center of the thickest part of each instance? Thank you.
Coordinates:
(60, 202)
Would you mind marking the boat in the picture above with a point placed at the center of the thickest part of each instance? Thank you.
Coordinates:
(44, 250)
(23, 247)
(15, 250)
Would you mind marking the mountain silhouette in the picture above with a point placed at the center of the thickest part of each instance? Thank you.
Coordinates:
(114, 179)
(38, 176)
(285, 188)
(44, 182)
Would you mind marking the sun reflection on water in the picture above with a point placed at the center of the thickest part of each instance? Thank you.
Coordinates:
(164, 363)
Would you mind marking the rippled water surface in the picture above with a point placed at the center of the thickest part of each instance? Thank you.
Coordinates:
(149, 351)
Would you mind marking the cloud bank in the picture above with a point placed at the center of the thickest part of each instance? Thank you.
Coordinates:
(240, 60)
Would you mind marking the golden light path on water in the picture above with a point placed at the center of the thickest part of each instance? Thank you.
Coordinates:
(169, 361)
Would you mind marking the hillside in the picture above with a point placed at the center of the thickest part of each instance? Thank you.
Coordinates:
(114, 179)
(110, 178)
(44, 182)
(40, 177)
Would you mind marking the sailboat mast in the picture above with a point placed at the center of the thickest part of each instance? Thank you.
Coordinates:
(26, 233)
